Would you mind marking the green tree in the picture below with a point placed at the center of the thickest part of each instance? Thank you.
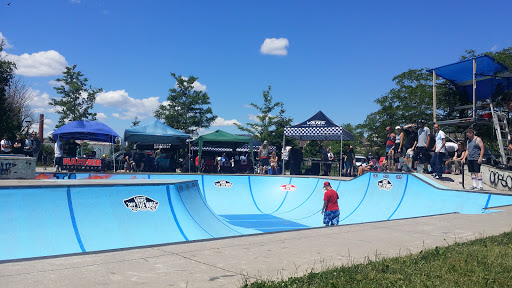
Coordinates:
(187, 109)
(77, 99)
(10, 121)
(135, 122)
(269, 127)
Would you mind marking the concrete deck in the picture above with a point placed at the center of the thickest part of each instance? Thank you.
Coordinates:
(229, 262)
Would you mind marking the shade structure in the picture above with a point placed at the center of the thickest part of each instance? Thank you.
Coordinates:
(318, 127)
(155, 133)
(86, 130)
(491, 76)
(221, 138)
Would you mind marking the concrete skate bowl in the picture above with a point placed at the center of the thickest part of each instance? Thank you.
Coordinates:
(102, 212)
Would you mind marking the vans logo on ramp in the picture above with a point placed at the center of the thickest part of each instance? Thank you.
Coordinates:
(385, 184)
(288, 187)
(223, 184)
(141, 202)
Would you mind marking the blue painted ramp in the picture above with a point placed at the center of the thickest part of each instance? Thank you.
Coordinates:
(74, 219)
(79, 218)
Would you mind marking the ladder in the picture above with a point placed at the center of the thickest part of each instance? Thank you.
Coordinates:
(499, 120)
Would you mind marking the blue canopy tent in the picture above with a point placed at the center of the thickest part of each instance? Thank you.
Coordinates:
(318, 127)
(87, 130)
(481, 77)
(156, 133)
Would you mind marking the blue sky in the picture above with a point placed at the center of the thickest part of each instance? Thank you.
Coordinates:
(334, 56)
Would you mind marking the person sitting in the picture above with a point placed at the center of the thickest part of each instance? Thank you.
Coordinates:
(456, 159)
(366, 166)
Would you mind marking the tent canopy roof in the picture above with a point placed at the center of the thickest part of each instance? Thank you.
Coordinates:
(318, 127)
(462, 71)
(223, 138)
(86, 130)
(155, 133)
(492, 76)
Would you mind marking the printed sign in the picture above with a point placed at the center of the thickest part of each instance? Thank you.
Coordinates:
(141, 203)
(288, 187)
(223, 184)
(385, 184)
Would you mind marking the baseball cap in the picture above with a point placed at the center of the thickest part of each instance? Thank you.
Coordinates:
(326, 183)
(398, 127)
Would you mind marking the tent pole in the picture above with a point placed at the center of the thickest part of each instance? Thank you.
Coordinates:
(434, 92)
(282, 154)
(474, 90)
(113, 155)
(341, 152)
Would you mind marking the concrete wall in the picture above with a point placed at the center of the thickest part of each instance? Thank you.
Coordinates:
(498, 178)
(17, 167)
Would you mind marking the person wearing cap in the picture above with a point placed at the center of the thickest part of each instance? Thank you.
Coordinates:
(420, 146)
(330, 210)
(264, 155)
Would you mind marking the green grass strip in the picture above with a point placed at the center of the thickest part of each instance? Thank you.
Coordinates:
(485, 262)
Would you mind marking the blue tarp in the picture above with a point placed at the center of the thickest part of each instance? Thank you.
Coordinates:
(86, 130)
(487, 76)
(155, 133)
(318, 127)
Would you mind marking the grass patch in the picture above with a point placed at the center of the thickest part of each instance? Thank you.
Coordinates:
(485, 262)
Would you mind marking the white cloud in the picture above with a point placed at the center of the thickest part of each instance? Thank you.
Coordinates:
(39, 102)
(45, 63)
(54, 83)
(75, 1)
(197, 86)
(6, 43)
(254, 118)
(101, 116)
(131, 107)
(247, 106)
(494, 48)
(223, 122)
(274, 46)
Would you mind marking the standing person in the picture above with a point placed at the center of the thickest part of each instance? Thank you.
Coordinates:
(473, 156)
(18, 145)
(273, 163)
(6, 145)
(398, 148)
(325, 159)
(439, 150)
(44, 160)
(59, 151)
(36, 145)
(389, 140)
(330, 210)
(350, 161)
(420, 146)
(263, 155)
(28, 149)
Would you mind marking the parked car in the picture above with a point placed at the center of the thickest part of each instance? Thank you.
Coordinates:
(360, 159)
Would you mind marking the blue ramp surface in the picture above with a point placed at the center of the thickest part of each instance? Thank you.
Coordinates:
(45, 221)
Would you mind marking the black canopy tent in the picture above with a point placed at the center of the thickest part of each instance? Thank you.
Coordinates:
(318, 127)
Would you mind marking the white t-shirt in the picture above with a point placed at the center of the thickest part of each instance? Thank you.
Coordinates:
(439, 141)
(451, 147)
(5, 142)
(58, 148)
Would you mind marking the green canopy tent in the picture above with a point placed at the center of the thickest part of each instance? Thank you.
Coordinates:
(224, 139)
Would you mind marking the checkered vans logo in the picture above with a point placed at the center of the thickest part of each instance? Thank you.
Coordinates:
(223, 184)
(385, 184)
(141, 203)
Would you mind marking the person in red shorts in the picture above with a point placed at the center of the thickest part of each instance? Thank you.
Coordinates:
(330, 210)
